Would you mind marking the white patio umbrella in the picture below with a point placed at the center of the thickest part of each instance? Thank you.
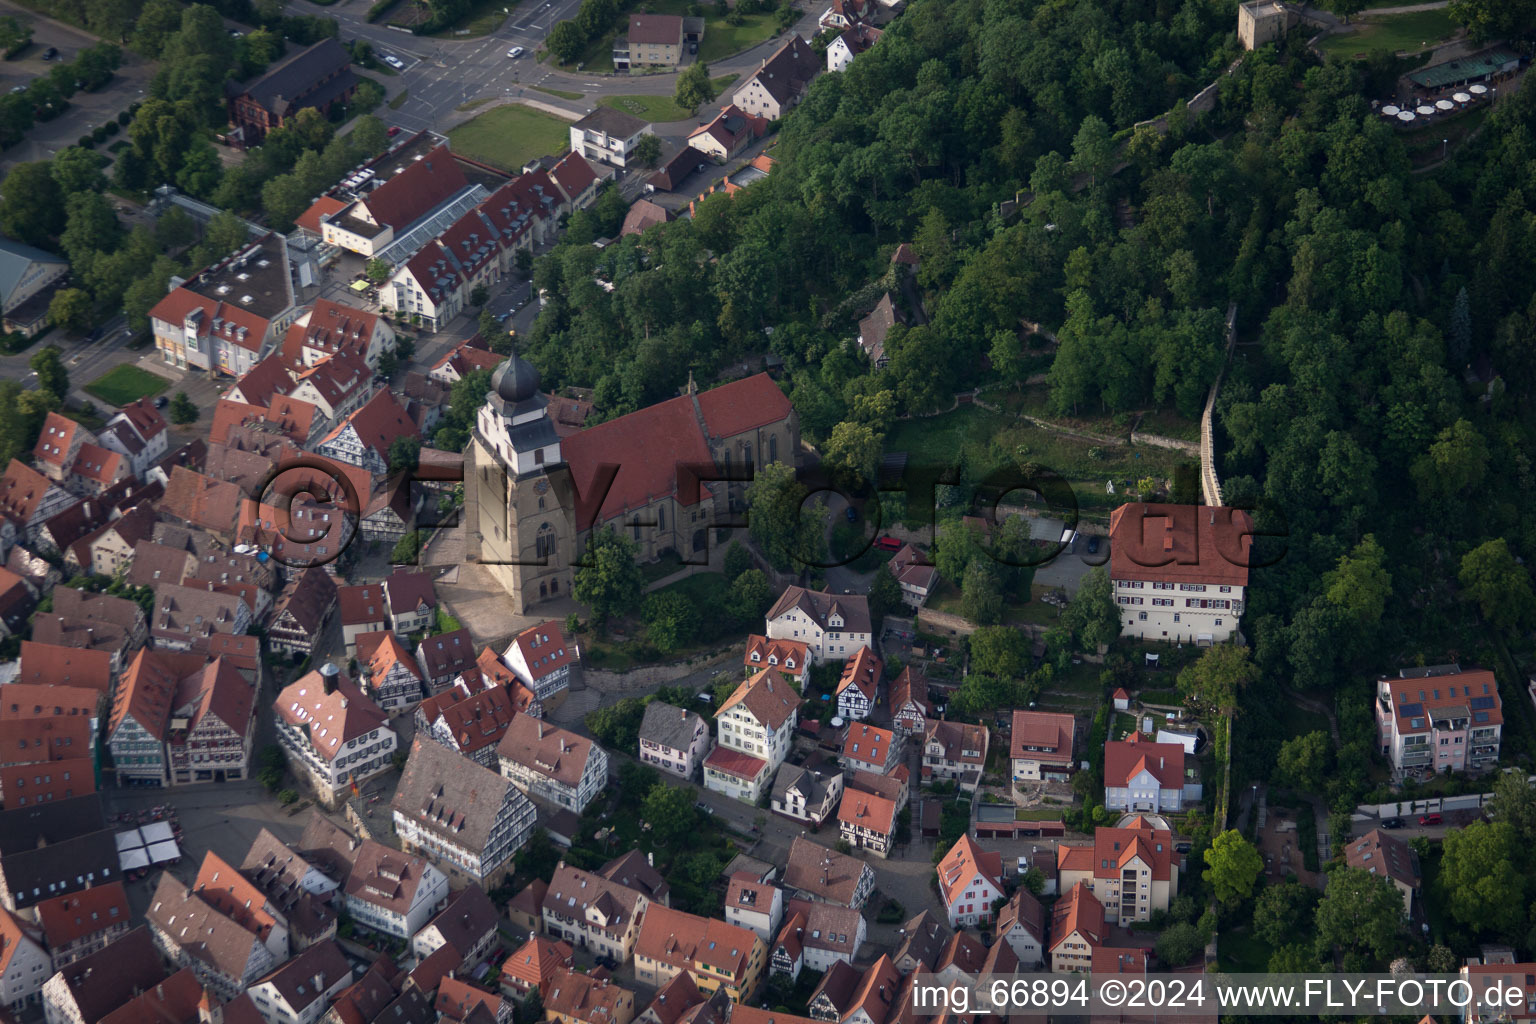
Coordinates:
(1425, 110)
(1405, 116)
(1391, 110)
(1462, 97)
(1444, 105)
(1477, 90)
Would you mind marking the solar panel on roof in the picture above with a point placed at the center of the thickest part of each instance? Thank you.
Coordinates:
(1411, 709)
(1480, 716)
(1482, 703)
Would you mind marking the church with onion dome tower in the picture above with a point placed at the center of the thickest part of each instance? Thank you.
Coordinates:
(531, 497)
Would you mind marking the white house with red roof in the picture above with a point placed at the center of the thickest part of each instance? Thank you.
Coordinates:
(412, 190)
(915, 573)
(849, 43)
(412, 600)
(476, 250)
(226, 318)
(970, 880)
(1077, 930)
(860, 684)
(542, 656)
(463, 360)
(791, 657)
(57, 444)
(336, 386)
(1140, 775)
(868, 748)
(909, 702)
(1439, 719)
(1133, 871)
(867, 821)
(444, 656)
(27, 501)
(756, 730)
(835, 627)
(331, 328)
(731, 131)
(1041, 744)
(1179, 572)
(96, 469)
(139, 432)
(332, 732)
(754, 904)
(390, 670)
(365, 436)
(362, 609)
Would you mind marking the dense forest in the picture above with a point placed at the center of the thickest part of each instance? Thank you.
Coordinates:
(1365, 292)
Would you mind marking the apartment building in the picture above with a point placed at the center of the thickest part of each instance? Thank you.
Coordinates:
(1041, 745)
(466, 818)
(393, 892)
(719, 956)
(673, 739)
(1133, 871)
(551, 764)
(1179, 572)
(756, 729)
(1439, 719)
(334, 735)
(593, 912)
(834, 627)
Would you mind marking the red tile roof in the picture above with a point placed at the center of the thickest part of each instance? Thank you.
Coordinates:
(1043, 736)
(964, 861)
(21, 492)
(866, 810)
(144, 417)
(480, 721)
(1423, 699)
(415, 190)
(685, 940)
(309, 220)
(147, 690)
(767, 696)
(72, 666)
(333, 718)
(1180, 544)
(67, 919)
(734, 762)
(1078, 911)
(536, 961)
(361, 605)
(28, 784)
(1127, 758)
(545, 648)
(573, 175)
(792, 655)
(657, 29)
(863, 670)
(378, 423)
(53, 442)
(30, 740)
(868, 743)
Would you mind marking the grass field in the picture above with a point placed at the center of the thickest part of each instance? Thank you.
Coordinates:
(482, 19)
(651, 108)
(722, 39)
(1393, 32)
(722, 83)
(1238, 951)
(564, 94)
(123, 384)
(510, 136)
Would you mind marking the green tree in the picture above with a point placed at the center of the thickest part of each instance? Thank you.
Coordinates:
(378, 271)
(783, 529)
(1283, 911)
(648, 150)
(565, 41)
(670, 812)
(1179, 945)
(1092, 615)
(1514, 802)
(1233, 867)
(737, 560)
(79, 170)
(1361, 585)
(1360, 913)
(617, 725)
(693, 87)
(1215, 682)
(854, 450)
(407, 550)
(31, 204)
(1455, 464)
(607, 579)
(669, 618)
(52, 376)
(884, 596)
(182, 409)
(750, 597)
(1093, 149)
(175, 228)
(71, 309)
(404, 453)
(1487, 19)
(1303, 762)
(955, 548)
(981, 593)
(1500, 585)
(478, 296)
(156, 23)
(1481, 878)
(1000, 651)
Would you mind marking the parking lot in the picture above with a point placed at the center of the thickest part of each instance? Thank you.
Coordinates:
(86, 110)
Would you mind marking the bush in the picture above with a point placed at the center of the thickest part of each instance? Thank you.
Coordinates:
(379, 7)
(86, 142)
(124, 118)
(288, 796)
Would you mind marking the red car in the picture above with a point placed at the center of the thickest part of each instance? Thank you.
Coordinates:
(888, 544)
(1431, 819)
(393, 131)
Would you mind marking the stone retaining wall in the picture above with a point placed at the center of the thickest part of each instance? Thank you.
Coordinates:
(1159, 441)
(652, 675)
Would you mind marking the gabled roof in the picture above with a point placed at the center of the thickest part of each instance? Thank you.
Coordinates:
(201, 501)
(456, 999)
(233, 895)
(923, 939)
(963, 951)
(549, 750)
(1125, 759)
(479, 721)
(686, 940)
(56, 437)
(199, 930)
(1383, 854)
(466, 919)
(910, 686)
(385, 877)
(308, 597)
(863, 671)
(958, 737)
(669, 726)
(22, 490)
(572, 892)
(296, 981)
(362, 604)
(545, 649)
(1043, 736)
(70, 666)
(109, 978)
(866, 810)
(329, 719)
(68, 919)
(868, 743)
(791, 655)
(643, 214)
(789, 69)
(1023, 911)
(379, 423)
(385, 653)
(297, 77)
(824, 873)
(767, 697)
(655, 29)
(147, 691)
(820, 606)
(963, 863)
(573, 175)
(1420, 698)
(445, 654)
(416, 189)
(535, 962)
(611, 121)
(1080, 912)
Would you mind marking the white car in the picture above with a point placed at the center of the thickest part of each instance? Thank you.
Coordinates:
(515, 52)
(395, 62)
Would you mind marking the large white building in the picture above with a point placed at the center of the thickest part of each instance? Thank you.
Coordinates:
(832, 626)
(335, 736)
(228, 317)
(608, 135)
(1140, 775)
(542, 657)
(757, 725)
(24, 965)
(468, 819)
(1132, 871)
(970, 881)
(301, 990)
(1179, 572)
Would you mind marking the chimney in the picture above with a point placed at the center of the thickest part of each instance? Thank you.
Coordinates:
(319, 980)
(328, 675)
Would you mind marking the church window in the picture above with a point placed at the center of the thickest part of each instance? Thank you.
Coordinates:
(544, 542)
(634, 526)
(541, 503)
(773, 448)
(661, 517)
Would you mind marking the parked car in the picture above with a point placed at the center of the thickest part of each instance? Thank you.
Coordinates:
(50, 53)
(394, 130)
(162, 402)
(516, 52)
(701, 805)
(1431, 819)
(851, 514)
(395, 62)
(887, 543)
(1391, 822)
(1093, 545)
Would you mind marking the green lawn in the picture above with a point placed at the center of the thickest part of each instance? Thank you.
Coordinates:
(1392, 32)
(656, 109)
(482, 18)
(123, 384)
(722, 83)
(722, 39)
(509, 136)
(564, 94)
(399, 100)
(946, 599)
